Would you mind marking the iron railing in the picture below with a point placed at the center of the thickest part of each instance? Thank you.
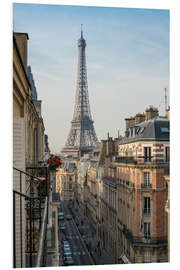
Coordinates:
(147, 239)
(146, 185)
(140, 160)
(146, 211)
(126, 160)
(30, 206)
(42, 249)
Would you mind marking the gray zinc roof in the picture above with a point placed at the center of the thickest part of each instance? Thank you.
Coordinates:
(155, 129)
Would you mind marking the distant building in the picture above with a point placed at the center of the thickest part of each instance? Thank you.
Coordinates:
(31, 80)
(65, 179)
(141, 191)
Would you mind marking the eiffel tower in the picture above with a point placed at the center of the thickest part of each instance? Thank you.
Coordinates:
(82, 136)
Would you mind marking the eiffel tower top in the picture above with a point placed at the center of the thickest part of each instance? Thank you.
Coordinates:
(82, 106)
(81, 32)
(82, 136)
(81, 41)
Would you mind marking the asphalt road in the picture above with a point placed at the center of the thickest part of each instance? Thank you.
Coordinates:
(80, 253)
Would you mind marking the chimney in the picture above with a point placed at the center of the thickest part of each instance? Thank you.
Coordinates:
(22, 43)
(110, 147)
(127, 120)
(130, 122)
(168, 113)
(139, 117)
(151, 112)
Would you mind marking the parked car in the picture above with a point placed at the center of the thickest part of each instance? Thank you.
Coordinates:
(59, 207)
(68, 217)
(62, 226)
(66, 245)
(67, 253)
(68, 260)
(61, 215)
(68, 249)
(65, 242)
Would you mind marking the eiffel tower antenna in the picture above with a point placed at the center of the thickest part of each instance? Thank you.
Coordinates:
(81, 31)
(82, 136)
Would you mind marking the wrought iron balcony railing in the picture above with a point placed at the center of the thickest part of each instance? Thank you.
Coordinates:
(146, 185)
(126, 160)
(42, 248)
(146, 239)
(146, 210)
(143, 159)
(30, 202)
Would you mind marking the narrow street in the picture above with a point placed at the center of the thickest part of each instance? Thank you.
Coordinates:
(80, 254)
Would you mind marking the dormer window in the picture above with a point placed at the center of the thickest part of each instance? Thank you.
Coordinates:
(164, 129)
(142, 130)
(138, 129)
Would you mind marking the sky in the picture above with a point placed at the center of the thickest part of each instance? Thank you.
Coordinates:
(127, 56)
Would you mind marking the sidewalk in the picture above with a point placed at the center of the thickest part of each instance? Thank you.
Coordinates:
(99, 254)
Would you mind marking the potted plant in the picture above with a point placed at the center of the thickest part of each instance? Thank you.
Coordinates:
(54, 162)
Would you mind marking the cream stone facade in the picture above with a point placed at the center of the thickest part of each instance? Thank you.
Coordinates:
(65, 180)
(142, 160)
(28, 137)
(125, 192)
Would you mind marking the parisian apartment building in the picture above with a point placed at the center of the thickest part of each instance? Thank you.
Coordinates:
(30, 151)
(122, 187)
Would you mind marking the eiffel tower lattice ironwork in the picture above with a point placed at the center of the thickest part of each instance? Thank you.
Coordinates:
(82, 136)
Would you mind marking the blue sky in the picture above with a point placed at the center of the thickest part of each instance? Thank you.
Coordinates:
(127, 57)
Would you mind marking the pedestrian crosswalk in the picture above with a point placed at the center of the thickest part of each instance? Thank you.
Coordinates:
(72, 236)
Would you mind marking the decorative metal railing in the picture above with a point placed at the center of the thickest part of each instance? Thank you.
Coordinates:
(144, 239)
(140, 160)
(30, 203)
(42, 249)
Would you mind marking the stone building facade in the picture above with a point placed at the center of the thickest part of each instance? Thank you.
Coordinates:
(140, 168)
(65, 181)
(28, 135)
(121, 189)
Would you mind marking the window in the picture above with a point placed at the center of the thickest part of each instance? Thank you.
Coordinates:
(70, 185)
(147, 207)
(147, 232)
(137, 130)
(164, 129)
(147, 154)
(142, 130)
(147, 257)
(146, 179)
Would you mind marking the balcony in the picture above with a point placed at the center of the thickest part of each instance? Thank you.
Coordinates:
(30, 202)
(141, 160)
(146, 186)
(146, 211)
(126, 183)
(144, 240)
(127, 160)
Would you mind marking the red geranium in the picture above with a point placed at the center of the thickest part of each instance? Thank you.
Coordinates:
(54, 162)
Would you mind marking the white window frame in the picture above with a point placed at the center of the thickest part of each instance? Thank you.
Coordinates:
(146, 178)
(147, 257)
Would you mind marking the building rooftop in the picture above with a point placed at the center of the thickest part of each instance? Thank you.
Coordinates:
(156, 129)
